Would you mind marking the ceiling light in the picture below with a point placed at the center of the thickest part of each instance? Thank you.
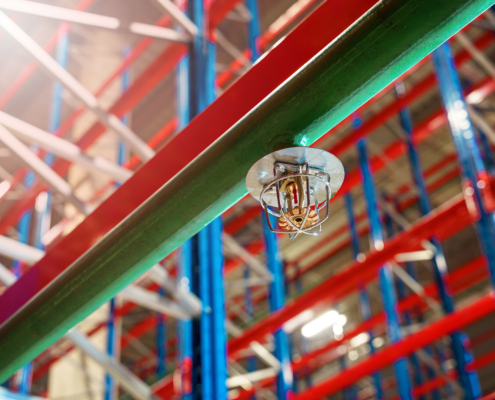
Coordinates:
(338, 329)
(341, 320)
(317, 325)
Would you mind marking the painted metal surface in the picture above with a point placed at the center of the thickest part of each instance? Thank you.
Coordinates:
(208, 335)
(399, 55)
(185, 265)
(276, 302)
(185, 328)
(440, 271)
(487, 153)
(385, 277)
(364, 302)
(219, 334)
(254, 30)
(205, 362)
(109, 386)
(424, 205)
(477, 190)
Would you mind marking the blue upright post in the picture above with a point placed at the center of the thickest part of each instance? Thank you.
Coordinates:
(303, 340)
(204, 341)
(111, 349)
(254, 30)
(473, 170)
(364, 302)
(277, 301)
(385, 277)
(251, 361)
(186, 254)
(352, 225)
(477, 190)
(161, 334)
(185, 327)
(205, 294)
(218, 310)
(402, 293)
(439, 263)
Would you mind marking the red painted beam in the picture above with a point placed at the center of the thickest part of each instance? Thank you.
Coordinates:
(219, 10)
(490, 396)
(484, 360)
(465, 316)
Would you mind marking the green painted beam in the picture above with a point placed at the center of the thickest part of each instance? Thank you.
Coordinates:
(376, 50)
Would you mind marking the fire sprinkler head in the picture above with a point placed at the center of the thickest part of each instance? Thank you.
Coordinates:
(295, 185)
